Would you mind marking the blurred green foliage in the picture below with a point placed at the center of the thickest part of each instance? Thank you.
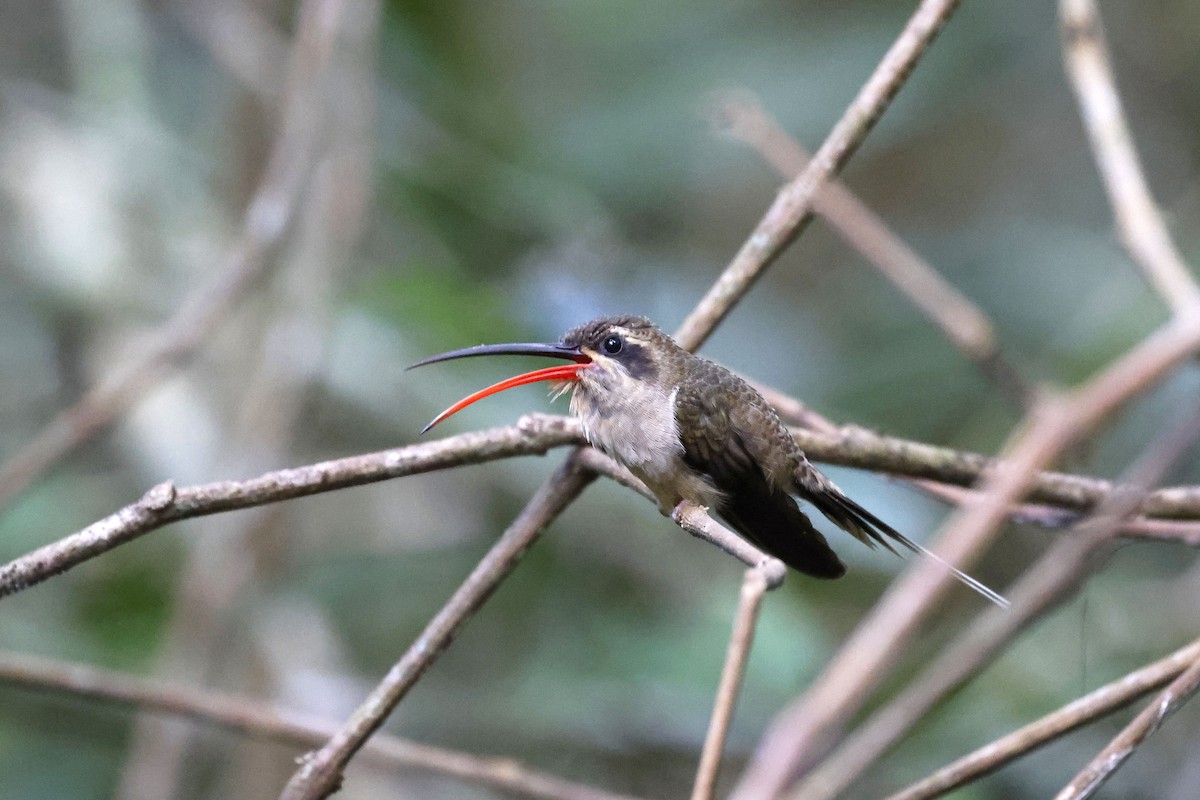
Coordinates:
(533, 165)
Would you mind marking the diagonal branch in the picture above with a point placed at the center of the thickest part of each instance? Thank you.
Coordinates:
(1105, 700)
(320, 773)
(793, 207)
(959, 319)
(1049, 583)
(801, 734)
(1138, 218)
(255, 718)
(781, 224)
(1110, 759)
(755, 584)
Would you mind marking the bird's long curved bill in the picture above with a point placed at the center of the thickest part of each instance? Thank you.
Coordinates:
(568, 372)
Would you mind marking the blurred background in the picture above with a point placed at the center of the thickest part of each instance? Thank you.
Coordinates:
(438, 174)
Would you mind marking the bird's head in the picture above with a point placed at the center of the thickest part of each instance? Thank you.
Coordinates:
(609, 354)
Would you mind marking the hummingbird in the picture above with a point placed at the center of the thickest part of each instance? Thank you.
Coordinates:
(692, 430)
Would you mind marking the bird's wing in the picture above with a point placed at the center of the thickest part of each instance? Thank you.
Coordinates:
(718, 443)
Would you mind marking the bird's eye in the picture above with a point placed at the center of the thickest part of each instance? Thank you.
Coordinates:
(612, 345)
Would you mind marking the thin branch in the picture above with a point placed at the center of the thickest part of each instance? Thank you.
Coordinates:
(320, 773)
(852, 446)
(1110, 759)
(1046, 516)
(1089, 708)
(801, 734)
(532, 435)
(1049, 583)
(960, 320)
(253, 717)
(792, 209)
(1138, 218)
(754, 585)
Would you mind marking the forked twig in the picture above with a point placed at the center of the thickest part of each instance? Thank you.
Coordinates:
(695, 520)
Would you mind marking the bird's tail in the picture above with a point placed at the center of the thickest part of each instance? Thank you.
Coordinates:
(871, 530)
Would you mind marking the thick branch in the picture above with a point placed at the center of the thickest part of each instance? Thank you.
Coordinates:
(535, 434)
(851, 446)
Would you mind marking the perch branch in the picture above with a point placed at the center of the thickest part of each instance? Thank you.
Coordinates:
(792, 209)
(535, 434)
(532, 435)
(1101, 702)
(255, 718)
(959, 319)
(1139, 221)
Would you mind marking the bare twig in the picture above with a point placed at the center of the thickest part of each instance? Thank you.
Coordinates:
(754, 585)
(959, 319)
(1143, 726)
(801, 733)
(1139, 220)
(256, 718)
(1049, 583)
(267, 218)
(792, 209)
(163, 504)
(1105, 700)
(320, 773)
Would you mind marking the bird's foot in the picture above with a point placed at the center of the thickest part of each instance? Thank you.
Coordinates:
(694, 519)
